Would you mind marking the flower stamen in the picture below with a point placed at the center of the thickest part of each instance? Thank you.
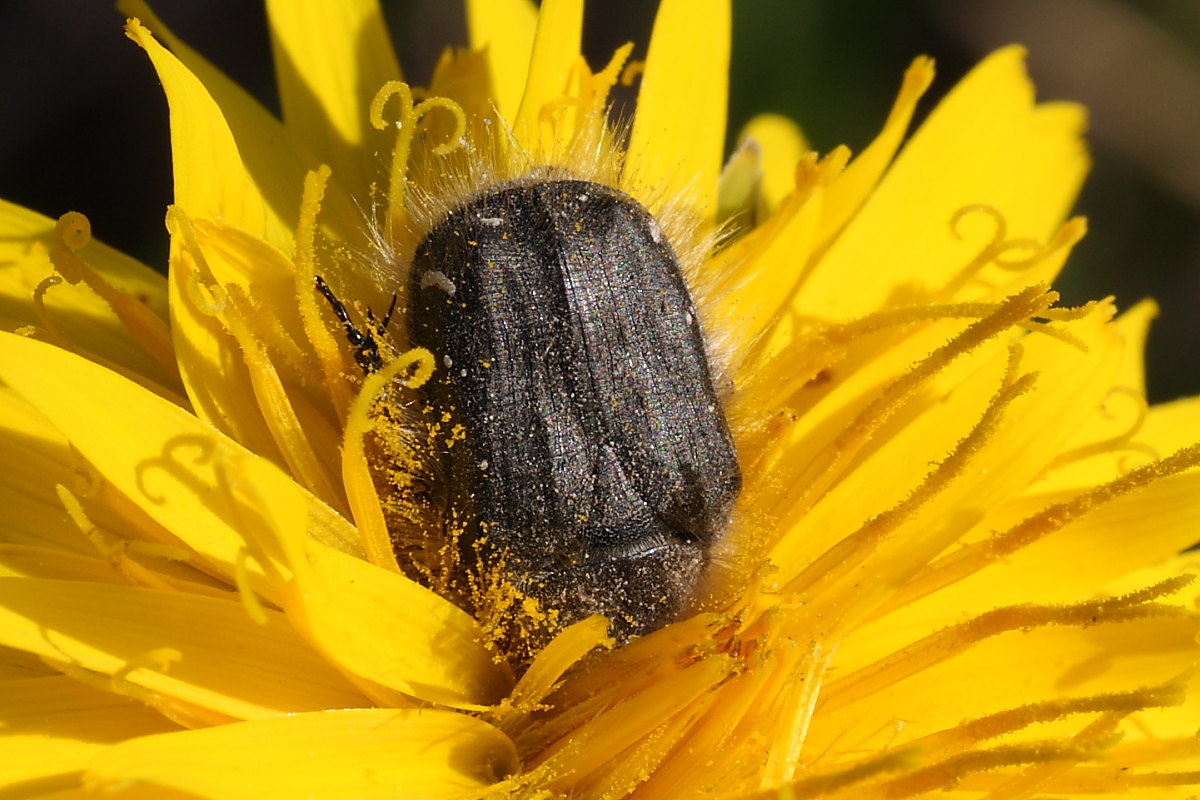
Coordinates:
(305, 262)
(955, 639)
(71, 233)
(250, 602)
(276, 406)
(947, 774)
(605, 736)
(974, 557)
(356, 474)
(994, 250)
(410, 115)
(832, 461)
(992, 726)
(844, 558)
(548, 667)
(1121, 441)
(39, 306)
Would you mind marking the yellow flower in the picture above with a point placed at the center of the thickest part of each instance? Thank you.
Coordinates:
(953, 568)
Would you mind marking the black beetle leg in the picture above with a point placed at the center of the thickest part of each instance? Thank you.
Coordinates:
(366, 349)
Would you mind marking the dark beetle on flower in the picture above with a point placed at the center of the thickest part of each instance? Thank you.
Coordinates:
(596, 464)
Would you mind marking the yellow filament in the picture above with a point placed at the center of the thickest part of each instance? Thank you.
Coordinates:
(111, 549)
(586, 133)
(1164, 779)
(590, 746)
(1069, 314)
(728, 711)
(844, 557)
(994, 250)
(1010, 720)
(70, 503)
(572, 711)
(273, 401)
(737, 263)
(305, 261)
(250, 602)
(948, 642)
(800, 673)
(832, 461)
(158, 660)
(39, 306)
(406, 124)
(653, 657)
(1100, 734)
(1119, 442)
(184, 714)
(208, 298)
(548, 667)
(826, 345)
(71, 233)
(829, 783)
(946, 774)
(974, 557)
(356, 475)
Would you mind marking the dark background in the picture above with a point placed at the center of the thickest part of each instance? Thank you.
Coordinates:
(85, 121)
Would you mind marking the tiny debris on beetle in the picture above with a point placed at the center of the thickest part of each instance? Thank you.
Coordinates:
(435, 277)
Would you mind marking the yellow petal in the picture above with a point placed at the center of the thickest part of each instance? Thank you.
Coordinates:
(273, 155)
(1172, 425)
(167, 462)
(678, 132)
(210, 178)
(1052, 168)
(756, 276)
(373, 622)
(847, 194)
(123, 563)
(330, 61)
(505, 28)
(20, 228)
(54, 726)
(195, 503)
(781, 144)
(1025, 438)
(74, 311)
(1098, 546)
(22, 561)
(217, 380)
(34, 457)
(264, 392)
(202, 651)
(555, 52)
(999, 673)
(984, 144)
(369, 753)
(1113, 437)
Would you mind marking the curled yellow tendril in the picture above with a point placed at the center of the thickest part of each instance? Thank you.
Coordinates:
(356, 477)
(409, 117)
(996, 248)
(39, 307)
(72, 232)
(208, 298)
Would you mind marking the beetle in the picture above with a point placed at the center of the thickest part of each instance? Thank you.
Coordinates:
(597, 465)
